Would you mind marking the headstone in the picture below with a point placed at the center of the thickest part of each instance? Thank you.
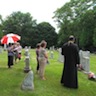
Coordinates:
(28, 83)
(85, 60)
(5, 47)
(27, 61)
(51, 54)
(26, 51)
(27, 64)
(61, 57)
(52, 48)
(29, 47)
(0, 49)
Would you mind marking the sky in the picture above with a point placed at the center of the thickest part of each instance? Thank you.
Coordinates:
(41, 10)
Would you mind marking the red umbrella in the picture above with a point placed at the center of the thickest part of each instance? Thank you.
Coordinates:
(10, 38)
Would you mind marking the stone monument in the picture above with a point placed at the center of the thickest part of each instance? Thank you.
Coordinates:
(0, 49)
(27, 61)
(85, 60)
(61, 57)
(51, 54)
(28, 83)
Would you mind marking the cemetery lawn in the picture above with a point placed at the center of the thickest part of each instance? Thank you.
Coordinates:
(11, 79)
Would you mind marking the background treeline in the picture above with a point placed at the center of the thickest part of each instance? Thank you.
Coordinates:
(31, 33)
(77, 17)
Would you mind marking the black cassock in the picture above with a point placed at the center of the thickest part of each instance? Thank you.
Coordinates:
(71, 59)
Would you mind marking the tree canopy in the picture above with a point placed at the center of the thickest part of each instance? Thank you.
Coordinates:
(77, 18)
(31, 33)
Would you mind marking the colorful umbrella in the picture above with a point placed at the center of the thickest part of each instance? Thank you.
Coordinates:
(10, 38)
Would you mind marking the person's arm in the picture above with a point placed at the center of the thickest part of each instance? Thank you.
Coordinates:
(46, 55)
(78, 58)
(62, 50)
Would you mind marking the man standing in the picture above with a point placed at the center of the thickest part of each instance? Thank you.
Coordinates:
(71, 60)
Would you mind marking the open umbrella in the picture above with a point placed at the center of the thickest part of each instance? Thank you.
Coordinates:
(10, 38)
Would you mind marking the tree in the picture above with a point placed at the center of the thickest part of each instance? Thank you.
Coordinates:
(47, 32)
(21, 24)
(94, 30)
(1, 30)
(31, 33)
(77, 17)
(87, 29)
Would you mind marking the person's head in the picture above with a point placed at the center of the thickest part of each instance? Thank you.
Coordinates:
(10, 44)
(18, 44)
(72, 38)
(43, 43)
(38, 45)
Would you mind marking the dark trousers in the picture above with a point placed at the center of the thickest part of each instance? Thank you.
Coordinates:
(10, 61)
(37, 64)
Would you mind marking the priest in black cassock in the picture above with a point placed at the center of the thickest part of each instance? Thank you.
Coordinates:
(71, 60)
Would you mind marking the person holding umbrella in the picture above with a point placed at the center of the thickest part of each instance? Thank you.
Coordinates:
(10, 39)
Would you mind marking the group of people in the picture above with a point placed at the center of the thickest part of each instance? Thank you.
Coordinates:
(42, 58)
(70, 51)
(14, 53)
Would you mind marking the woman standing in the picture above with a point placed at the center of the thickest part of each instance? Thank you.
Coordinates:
(43, 57)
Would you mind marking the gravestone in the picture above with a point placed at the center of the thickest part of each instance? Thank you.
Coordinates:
(27, 61)
(28, 83)
(51, 54)
(27, 64)
(0, 49)
(61, 57)
(5, 47)
(85, 60)
(29, 47)
(52, 48)
(26, 51)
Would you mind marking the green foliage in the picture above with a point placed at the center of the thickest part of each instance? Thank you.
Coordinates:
(1, 33)
(31, 33)
(94, 37)
(1, 30)
(77, 17)
(47, 33)
(88, 27)
(21, 24)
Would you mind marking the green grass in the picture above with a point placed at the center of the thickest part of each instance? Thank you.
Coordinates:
(11, 79)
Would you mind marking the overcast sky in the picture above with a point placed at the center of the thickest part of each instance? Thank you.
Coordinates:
(41, 10)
